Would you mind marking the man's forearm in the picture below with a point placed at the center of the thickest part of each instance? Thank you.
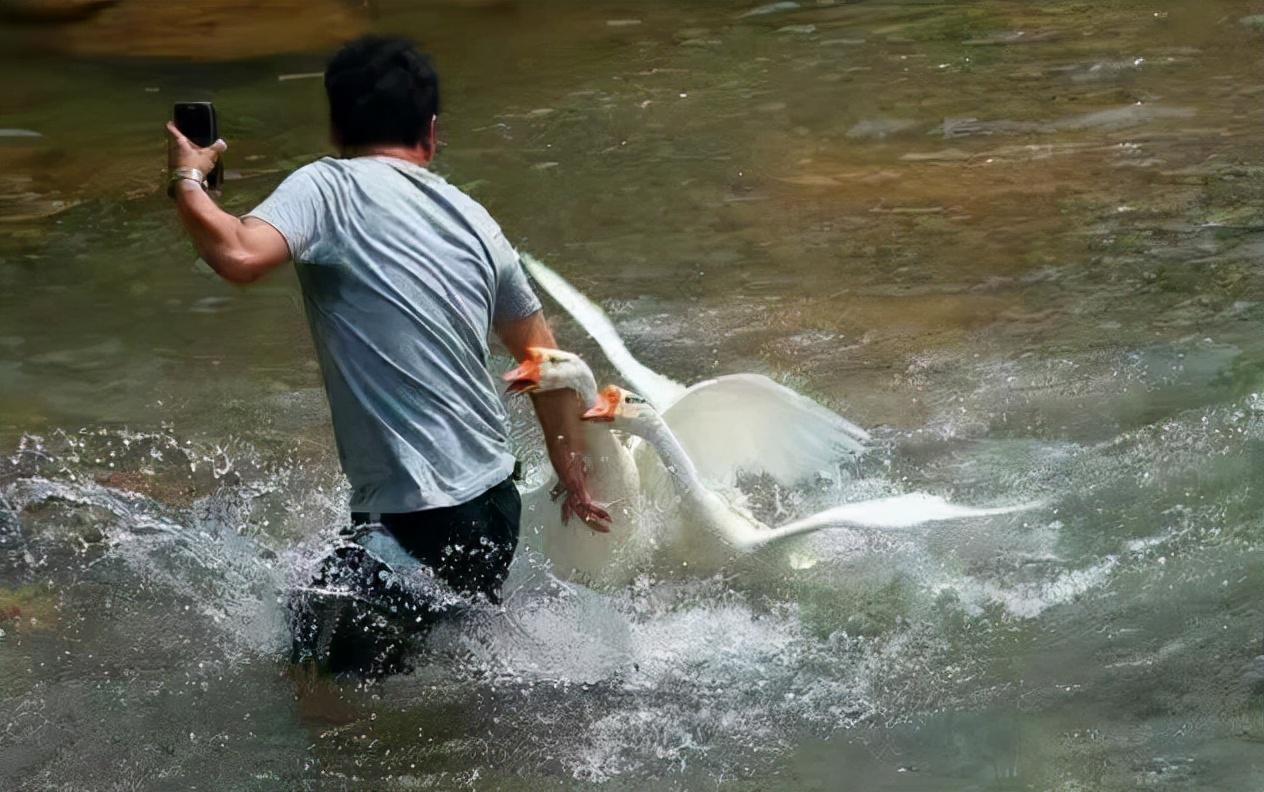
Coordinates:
(558, 413)
(215, 234)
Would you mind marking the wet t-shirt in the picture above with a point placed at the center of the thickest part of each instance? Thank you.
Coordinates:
(403, 276)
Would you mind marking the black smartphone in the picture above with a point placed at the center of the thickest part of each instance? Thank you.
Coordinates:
(197, 121)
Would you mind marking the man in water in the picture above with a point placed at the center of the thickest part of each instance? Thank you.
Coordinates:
(403, 277)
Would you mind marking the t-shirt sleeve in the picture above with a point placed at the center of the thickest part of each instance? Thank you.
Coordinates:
(295, 209)
(515, 299)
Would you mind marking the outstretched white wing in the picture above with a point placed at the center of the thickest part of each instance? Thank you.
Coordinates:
(742, 422)
(900, 511)
(660, 391)
(747, 422)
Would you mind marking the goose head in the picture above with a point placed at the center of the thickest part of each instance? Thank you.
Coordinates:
(547, 370)
(624, 409)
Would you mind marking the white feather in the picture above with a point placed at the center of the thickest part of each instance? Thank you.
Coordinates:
(660, 391)
(736, 422)
(900, 511)
(749, 423)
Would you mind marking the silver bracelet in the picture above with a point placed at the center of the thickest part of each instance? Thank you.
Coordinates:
(185, 174)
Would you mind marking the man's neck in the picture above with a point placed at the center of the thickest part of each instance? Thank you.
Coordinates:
(417, 155)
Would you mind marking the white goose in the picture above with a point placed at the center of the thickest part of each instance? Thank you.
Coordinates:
(732, 423)
(575, 550)
(716, 532)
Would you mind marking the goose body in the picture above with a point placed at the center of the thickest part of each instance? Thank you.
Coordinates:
(575, 551)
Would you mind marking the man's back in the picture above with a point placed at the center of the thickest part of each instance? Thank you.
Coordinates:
(403, 276)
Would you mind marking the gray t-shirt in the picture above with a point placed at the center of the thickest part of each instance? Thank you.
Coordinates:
(403, 276)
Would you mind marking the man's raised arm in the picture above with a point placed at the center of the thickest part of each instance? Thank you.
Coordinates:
(241, 251)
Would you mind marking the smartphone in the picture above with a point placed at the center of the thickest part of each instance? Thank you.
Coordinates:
(197, 121)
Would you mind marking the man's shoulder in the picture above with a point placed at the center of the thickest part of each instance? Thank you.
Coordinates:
(319, 169)
(309, 178)
(470, 205)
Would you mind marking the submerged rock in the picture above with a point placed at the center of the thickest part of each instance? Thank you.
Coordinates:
(209, 30)
(51, 11)
(22, 200)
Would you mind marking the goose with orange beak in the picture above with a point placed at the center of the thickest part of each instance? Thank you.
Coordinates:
(576, 551)
(728, 531)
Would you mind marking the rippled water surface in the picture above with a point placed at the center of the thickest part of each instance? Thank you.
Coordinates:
(1020, 241)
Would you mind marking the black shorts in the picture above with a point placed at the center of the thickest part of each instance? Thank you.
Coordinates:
(468, 546)
(351, 618)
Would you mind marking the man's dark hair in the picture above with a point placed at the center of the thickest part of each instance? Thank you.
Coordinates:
(382, 91)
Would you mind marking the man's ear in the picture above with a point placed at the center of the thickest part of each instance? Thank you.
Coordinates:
(433, 136)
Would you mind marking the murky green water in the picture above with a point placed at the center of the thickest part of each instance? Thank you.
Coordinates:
(1020, 240)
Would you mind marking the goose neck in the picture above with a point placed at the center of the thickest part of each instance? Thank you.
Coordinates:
(674, 456)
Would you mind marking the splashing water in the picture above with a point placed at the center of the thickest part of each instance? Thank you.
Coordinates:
(196, 561)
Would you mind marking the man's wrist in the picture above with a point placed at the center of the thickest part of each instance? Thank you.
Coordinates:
(185, 179)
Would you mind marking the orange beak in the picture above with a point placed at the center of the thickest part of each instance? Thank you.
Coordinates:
(606, 408)
(525, 378)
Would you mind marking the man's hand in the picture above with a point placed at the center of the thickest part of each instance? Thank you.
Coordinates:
(182, 153)
(581, 506)
(578, 502)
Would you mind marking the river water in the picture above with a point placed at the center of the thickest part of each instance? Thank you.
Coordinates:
(1019, 241)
